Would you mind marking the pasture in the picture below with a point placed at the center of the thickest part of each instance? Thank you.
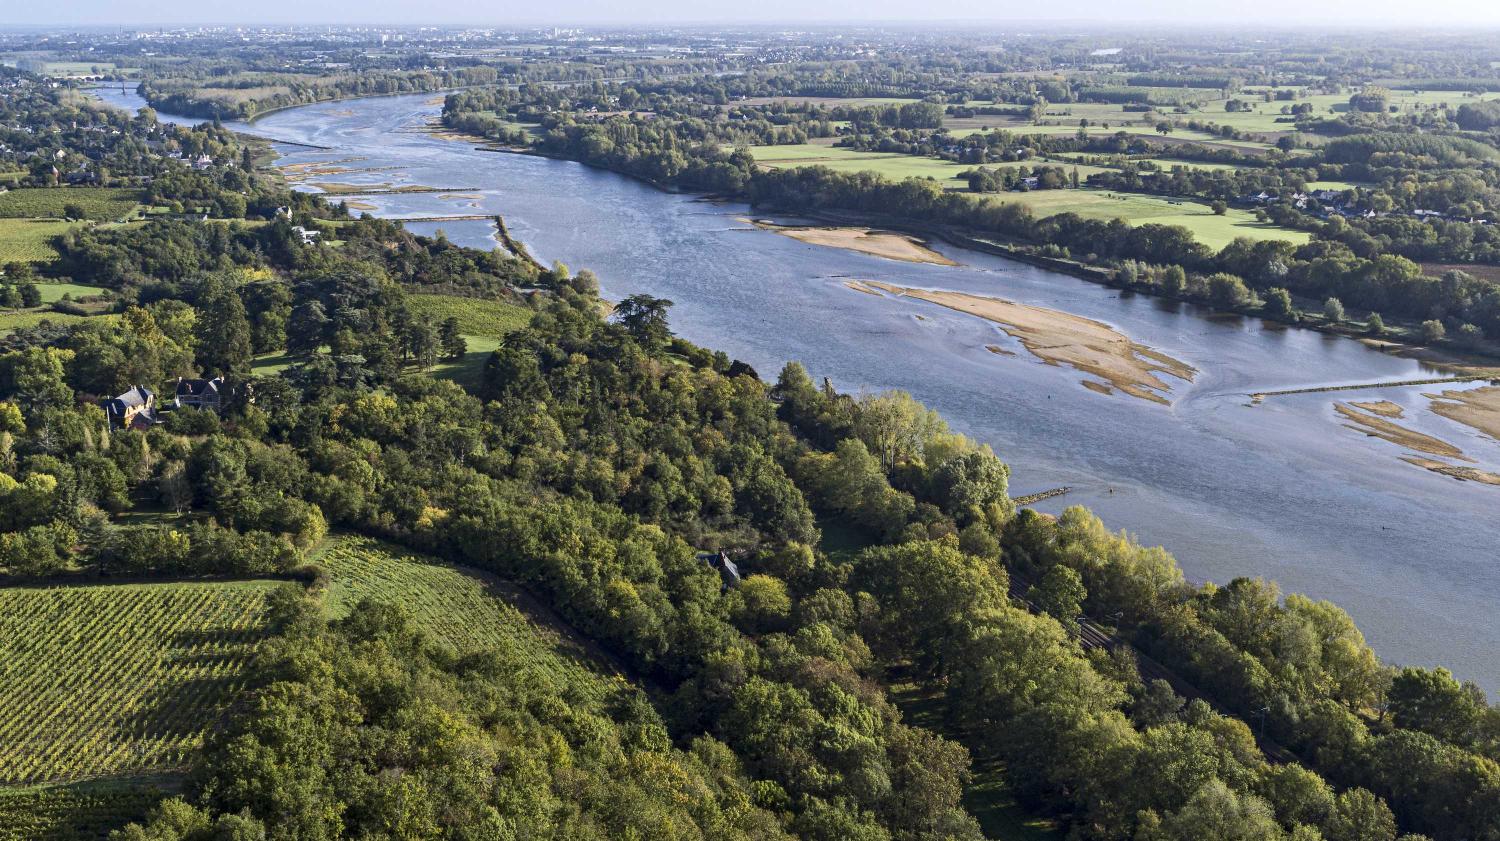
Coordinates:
(119, 680)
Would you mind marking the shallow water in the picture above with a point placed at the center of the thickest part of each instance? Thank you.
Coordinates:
(1281, 490)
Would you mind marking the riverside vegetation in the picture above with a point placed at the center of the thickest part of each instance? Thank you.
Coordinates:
(478, 610)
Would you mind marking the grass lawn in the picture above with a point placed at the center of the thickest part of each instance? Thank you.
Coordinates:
(466, 371)
(55, 291)
(271, 364)
(121, 679)
(30, 240)
(1213, 231)
(100, 203)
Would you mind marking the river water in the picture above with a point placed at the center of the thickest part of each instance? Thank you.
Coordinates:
(1282, 490)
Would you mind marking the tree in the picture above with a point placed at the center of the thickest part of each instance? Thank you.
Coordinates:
(222, 329)
(1433, 331)
(1434, 702)
(1333, 310)
(1228, 292)
(1060, 594)
(74, 211)
(1219, 207)
(645, 318)
(1375, 325)
(1279, 305)
(31, 296)
(307, 329)
(452, 341)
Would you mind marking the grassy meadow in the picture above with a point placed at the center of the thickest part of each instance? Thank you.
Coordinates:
(1136, 208)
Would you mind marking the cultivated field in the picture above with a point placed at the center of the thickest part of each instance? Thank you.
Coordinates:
(119, 680)
(48, 202)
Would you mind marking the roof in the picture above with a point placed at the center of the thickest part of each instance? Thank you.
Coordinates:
(137, 396)
(198, 388)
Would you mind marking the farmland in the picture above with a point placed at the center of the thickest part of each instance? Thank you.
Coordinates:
(99, 203)
(118, 680)
(467, 611)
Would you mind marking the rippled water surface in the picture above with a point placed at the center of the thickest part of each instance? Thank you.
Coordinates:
(1281, 490)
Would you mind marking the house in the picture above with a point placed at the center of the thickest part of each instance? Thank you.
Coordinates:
(201, 394)
(308, 237)
(135, 409)
(729, 573)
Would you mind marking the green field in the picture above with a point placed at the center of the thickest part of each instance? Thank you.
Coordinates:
(1213, 231)
(100, 203)
(468, 611)
(119, 680)
(55, 291)
(476, 316)
(892, 165)
(30, 240)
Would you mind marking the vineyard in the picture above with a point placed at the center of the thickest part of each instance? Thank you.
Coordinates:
(30, 240)
(476, 316)
(469, 611)
(71, 812)
(49, 202)
(118, 680)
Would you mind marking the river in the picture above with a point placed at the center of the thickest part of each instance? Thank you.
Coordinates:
(1282, 490)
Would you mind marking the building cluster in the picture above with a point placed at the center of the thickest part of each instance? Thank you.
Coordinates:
(139, 409)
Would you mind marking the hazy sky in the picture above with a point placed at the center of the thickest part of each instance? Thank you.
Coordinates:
(1264, 12)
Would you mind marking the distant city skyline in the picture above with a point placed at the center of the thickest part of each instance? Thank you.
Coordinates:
(1269, 13)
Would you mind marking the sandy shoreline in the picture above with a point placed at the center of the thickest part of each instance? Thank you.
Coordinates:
(887, 244)
(1061, 338)
(1383, 408)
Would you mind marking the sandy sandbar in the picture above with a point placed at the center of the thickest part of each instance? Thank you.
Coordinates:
(887, 244)
(1478, 408)
(1395, 433)
(1470, 474)
(1061, 338)
(1383, 408)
